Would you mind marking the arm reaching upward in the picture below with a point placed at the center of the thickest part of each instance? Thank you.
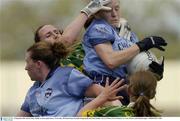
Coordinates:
(72, 31)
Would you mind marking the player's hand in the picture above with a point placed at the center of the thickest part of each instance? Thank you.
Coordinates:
(124, 29)
(157, 69)
(152, 42)
(110, 91)
(96, 5)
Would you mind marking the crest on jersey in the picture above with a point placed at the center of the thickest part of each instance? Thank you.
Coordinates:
(48, 92)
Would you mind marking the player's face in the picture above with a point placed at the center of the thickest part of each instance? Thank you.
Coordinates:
(49, 33)
(31, 67)
(113, 16)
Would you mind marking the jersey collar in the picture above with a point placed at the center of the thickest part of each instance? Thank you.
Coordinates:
(50, 74)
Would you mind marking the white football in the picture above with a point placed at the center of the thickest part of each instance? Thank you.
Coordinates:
(141, 62)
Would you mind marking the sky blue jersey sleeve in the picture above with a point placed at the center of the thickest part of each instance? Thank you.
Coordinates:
(100, 33)
(134, 37)
(78, 83)
(25, 105)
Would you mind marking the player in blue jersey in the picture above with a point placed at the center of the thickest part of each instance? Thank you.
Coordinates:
(106, 53)
(69, 35)
(51, 33)
(57, 91)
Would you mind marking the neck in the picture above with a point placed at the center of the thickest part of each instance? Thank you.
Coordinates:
(44, 74)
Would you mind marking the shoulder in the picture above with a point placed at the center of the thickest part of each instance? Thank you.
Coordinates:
(134, 37)
(64, 70)
(77, 74)
(34, 86)
(99, 25)
(70, 71)
(99, 32)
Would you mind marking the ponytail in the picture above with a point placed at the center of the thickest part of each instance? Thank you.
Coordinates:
(142, 107)
(142, 88)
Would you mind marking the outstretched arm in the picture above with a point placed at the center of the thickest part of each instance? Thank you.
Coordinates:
(108, 94)
(72, 31)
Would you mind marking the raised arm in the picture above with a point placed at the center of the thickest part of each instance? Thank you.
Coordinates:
(72, 31)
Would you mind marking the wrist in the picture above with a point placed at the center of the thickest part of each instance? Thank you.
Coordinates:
(86, 12)
(84, 15)
(102, 98)
(139, 45)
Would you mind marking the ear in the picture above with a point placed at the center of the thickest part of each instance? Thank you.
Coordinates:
(39, 63)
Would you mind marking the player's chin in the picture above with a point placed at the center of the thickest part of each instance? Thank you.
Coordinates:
(31, 77)
(115, 24)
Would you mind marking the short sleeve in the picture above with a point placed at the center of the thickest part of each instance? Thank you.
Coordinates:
(25, 105)
(100, 33)
(134, 38)
(78, 83)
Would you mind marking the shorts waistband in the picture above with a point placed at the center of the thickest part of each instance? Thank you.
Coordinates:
(100, 79)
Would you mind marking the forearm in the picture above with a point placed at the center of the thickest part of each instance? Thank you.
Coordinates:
(107, 94)
(72, 31)
(94, 104)
(94, 90)
(121, 57)
(112, 58)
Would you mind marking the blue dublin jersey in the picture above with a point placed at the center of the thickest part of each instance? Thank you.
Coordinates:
(101, 32)
(61, 95)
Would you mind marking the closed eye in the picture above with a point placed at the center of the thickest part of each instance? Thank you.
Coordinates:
(48, 35)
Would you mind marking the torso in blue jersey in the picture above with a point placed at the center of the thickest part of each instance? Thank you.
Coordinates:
(97, 33)
(61, 95)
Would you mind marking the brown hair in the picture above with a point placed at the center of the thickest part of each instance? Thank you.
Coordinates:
(37, 38)
(142, 88)
(88, 22)
(49, 53)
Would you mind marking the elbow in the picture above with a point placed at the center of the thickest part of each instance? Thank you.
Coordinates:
(68, 41)
(79, 114)
(110, 64)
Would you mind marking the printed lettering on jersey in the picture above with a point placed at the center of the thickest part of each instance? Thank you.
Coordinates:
(121, 45)
(48, 92)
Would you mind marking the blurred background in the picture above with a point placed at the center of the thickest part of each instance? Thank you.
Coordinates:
(20, 18)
